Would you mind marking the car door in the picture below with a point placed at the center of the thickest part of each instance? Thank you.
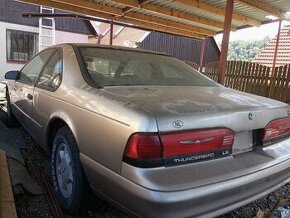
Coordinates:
(22, 92)
(45, 99)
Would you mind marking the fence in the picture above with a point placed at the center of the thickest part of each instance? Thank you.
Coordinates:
(192, 64)
(254, 78)
(281, 84)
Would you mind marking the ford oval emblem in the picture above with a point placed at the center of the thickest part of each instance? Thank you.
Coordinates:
(177, 124)
(250, 116)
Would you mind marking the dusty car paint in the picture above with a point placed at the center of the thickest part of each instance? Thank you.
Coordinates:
(103, 119)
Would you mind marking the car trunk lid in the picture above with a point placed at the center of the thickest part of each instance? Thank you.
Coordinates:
(202, 107)
(199, 111)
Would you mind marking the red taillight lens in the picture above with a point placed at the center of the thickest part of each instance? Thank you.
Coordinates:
(143, 146)
(276, 129)
(196, 142)
(146, 150)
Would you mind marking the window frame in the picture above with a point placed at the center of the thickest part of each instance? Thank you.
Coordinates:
(21, 31)
(34, 83)
(42, 70)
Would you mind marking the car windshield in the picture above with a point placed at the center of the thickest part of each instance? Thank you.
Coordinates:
(113, 67)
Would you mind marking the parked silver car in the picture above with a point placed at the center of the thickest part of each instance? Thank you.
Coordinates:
(147, 132)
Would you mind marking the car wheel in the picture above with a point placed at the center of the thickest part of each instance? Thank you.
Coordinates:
(10, 117)
(68, 180)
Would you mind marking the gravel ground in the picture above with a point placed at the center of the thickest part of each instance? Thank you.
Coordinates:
(37, 206)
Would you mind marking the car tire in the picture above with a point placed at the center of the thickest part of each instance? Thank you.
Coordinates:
(10, 117)
(68, 179)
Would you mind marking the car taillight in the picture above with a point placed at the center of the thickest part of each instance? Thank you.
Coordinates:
(276, 130)
(146, 150)
(143, 150)
(196, 142)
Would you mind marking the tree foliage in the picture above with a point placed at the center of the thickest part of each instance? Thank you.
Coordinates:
(246, 50)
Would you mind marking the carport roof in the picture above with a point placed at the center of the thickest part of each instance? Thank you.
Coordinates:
(191, 18)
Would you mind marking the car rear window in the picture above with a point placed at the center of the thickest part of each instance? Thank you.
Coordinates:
(113, 67)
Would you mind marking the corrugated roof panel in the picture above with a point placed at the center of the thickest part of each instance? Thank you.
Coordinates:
(174, 19)
(194, 11)
(153, 14)
(239, 8)
(219, 3)
(110, 3)
(281, 4)
(184, 9)
(250, 12)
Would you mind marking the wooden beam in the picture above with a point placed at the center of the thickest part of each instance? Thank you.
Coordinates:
(218, 11)
(84, 11)
(163, 22)
(277, 44)
(257, 4)
(133, 15)
(92, 6)
(129, 3)
(111, 32)
(202, 48)
(172, 13)
(182, 15)
(170, 30)
(143, 2)
(225, 41)
(66, 7)
(126, 10)
(272, 81)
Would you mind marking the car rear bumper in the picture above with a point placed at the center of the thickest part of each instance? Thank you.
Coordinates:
(207, 201)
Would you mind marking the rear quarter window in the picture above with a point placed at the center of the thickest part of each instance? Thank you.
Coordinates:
(51, 75)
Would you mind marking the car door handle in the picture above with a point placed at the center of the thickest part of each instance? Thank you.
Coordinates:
(29, 96)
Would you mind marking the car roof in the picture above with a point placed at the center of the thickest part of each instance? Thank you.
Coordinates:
(79, 45)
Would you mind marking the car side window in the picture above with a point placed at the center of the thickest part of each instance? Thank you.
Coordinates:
(32, 69)
(51, 74)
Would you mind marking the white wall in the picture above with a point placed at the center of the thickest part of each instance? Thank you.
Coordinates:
(60, 37)
(4, 66)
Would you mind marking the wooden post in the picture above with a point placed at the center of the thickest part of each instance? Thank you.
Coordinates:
(202, 47)
(225, 41)
(111, 32)
(272, 81)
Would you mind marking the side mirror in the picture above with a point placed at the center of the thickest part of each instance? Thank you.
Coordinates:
(12, 75)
